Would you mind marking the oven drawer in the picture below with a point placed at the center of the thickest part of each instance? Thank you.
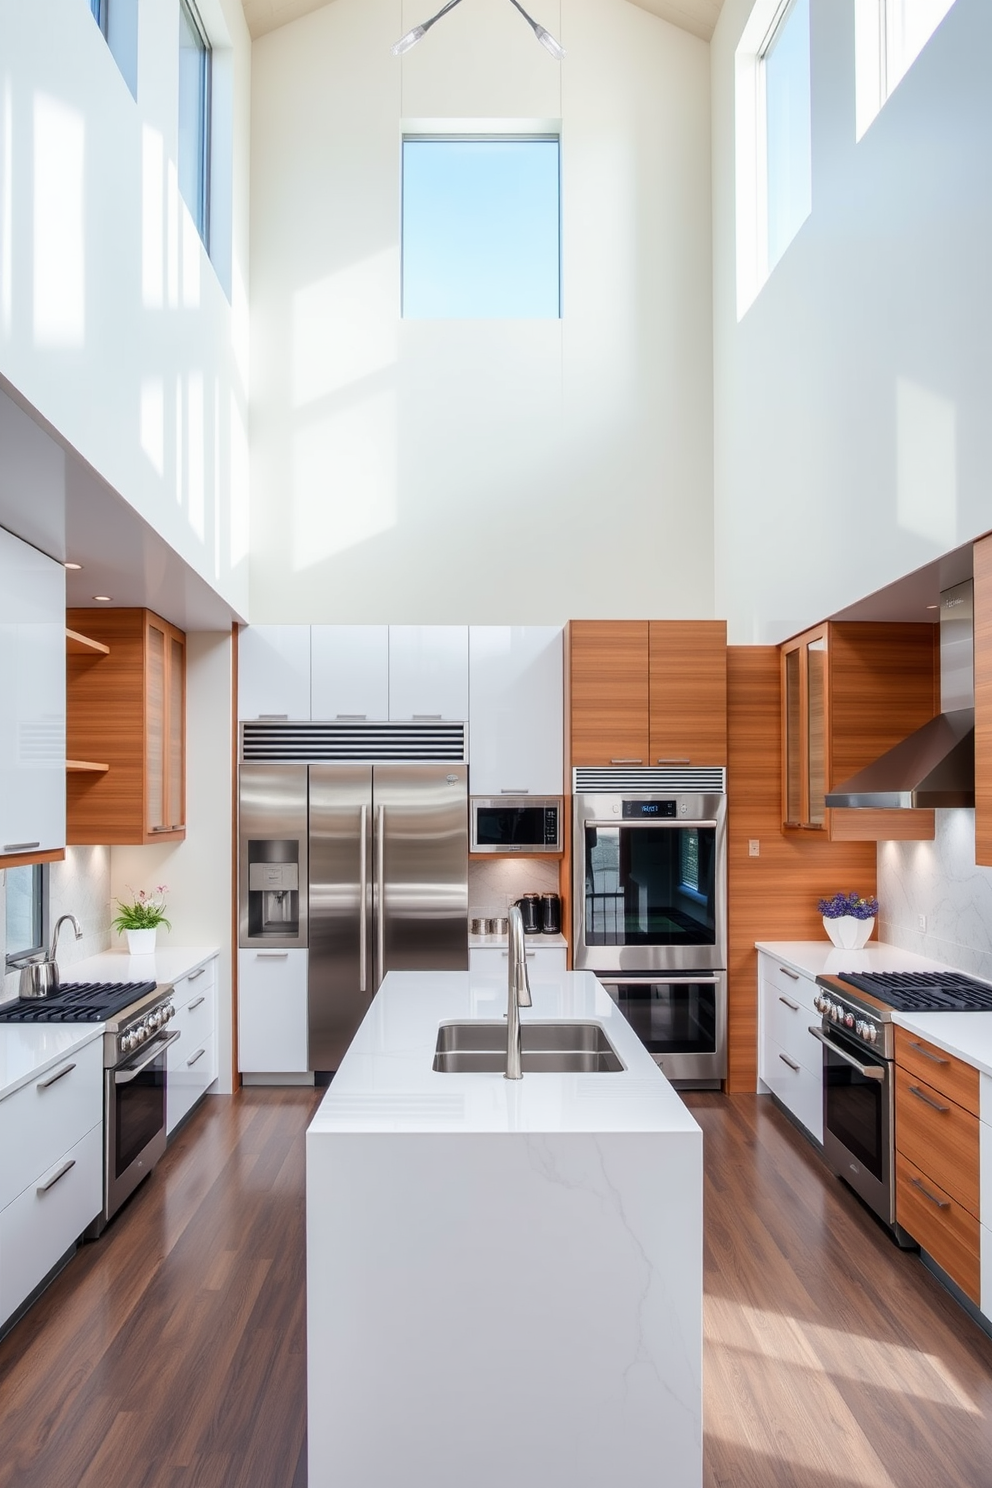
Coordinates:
(39, 1122)
(39, 1227)
(796, 1085)
(941, 1226)
(950, 1076)
(939, 1136)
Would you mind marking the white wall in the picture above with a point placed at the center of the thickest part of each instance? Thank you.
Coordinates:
(939, 881)
(114, 324)
(478, 471)
(852, 437)
(198, 870)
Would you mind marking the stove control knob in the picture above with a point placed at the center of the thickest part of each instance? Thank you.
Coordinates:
(140, 1032)
(168, 1012)
(124, 1043)
(836, 1014)
(824, 1006)
(872, 1033)
(848, 1020)
(818, 1002)
(155, 1019)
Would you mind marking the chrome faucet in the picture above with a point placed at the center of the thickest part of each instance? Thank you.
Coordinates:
(517, 993)
(55, 941)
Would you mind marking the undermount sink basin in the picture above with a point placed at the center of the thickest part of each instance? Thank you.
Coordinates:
(546, 1048)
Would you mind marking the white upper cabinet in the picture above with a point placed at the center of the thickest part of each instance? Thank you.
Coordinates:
(515, 703)
(349, 675)
(428, 672)
(274, 672)
(32, 699)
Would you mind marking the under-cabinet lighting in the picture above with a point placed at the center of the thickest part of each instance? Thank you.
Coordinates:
(102, 598)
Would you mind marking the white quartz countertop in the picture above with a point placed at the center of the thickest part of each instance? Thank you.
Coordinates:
(968, 1035)
(822, 958)
(29, 1049)
(385, 1082)
(165, 964)
(500, 942)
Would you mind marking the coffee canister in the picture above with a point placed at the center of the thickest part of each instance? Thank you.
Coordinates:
(551, 914)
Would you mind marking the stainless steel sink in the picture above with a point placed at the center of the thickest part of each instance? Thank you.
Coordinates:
(546, 1048)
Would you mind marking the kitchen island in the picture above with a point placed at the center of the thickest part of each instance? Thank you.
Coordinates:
(504, 1278)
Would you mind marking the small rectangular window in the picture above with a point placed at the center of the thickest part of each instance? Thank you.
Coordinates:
(889, 36)
(118, 20)
(481, 229)
(194, 116)
(26, 901)
(788, 174)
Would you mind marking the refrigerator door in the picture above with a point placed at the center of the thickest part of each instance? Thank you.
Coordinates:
(421, 867)
(340, 975)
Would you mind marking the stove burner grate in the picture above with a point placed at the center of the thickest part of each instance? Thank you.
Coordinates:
(923, 991)
(76, 1002)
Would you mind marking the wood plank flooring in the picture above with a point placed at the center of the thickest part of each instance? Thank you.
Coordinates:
(171, 1353)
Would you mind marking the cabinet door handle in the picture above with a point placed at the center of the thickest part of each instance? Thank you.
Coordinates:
(271, 955)
(934, 1058)
(674, 760)
(194, 1057)
(790, 1062)
(431, 717)
(363, 897)
(915, 1090)
(514, 790)
(786, 972)
(626, 762)
(199, 1001)
(273, 715)
(20, 846)
(355, 717)
(793, 1005)
(167, 827)
(70, 1162)
(44, 1084)
(528, 954)
(941, 1203)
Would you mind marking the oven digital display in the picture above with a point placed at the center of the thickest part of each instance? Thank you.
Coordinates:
(639, 810)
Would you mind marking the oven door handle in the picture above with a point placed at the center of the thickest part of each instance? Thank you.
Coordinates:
(870, 1071)
(674, 823)
(123, 1077)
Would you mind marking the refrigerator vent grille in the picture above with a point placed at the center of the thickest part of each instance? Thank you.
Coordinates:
(706, 781)
(278, 742)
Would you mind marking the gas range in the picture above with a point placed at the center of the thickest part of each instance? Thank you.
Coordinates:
(862, 1003)
(132, 1012)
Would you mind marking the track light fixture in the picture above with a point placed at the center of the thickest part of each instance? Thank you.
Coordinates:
(544, 37)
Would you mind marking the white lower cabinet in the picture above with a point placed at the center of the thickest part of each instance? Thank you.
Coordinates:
(272, 1012)
(192, 1059)
(790, 1060)
(541, 960)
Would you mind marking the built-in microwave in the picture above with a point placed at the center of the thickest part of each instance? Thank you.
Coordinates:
(515, 824)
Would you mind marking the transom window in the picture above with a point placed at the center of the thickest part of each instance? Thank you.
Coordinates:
(194, 116)
(889, 36)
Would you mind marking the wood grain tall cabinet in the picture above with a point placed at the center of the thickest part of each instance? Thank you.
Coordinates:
(127, 710)
(983, 701)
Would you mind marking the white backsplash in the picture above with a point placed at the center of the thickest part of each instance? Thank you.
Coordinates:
(493, 884)
(81, 886)
(940, 881)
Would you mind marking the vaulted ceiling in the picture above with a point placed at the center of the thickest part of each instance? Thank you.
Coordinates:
(697, 16)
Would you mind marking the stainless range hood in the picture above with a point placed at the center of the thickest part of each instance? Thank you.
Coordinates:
(935, 766)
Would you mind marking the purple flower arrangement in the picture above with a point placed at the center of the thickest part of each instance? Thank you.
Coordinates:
(852, 904)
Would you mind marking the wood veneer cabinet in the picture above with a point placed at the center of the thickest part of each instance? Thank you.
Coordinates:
(645, 692)
(983, 701)
(128, 710)
(850, 691)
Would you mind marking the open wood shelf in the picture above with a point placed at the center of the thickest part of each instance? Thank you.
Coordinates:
(86, 765)
(80, 645)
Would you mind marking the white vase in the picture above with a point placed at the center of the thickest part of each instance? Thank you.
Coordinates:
(140, 942)
(847, 932)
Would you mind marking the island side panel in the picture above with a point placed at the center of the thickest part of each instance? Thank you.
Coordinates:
(493, 1308)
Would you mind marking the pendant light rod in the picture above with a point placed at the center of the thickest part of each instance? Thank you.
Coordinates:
(544, 37)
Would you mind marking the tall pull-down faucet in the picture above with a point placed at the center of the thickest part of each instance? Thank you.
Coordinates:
(55, 941)
(517, 993)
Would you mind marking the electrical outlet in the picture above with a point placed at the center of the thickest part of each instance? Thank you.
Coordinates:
(753, 847)
(921, 924)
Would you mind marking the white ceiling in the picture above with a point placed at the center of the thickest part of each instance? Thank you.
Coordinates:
(697, 16)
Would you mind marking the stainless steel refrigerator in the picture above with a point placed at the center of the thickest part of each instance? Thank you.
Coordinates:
(365, 865)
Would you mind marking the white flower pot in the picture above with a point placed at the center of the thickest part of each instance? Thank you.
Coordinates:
(140, 942)
(847, 932)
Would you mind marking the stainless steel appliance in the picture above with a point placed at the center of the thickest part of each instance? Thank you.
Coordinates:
(858, 1075)
(515, 824)
(364, 864)
(135, 1015)
(649, 871)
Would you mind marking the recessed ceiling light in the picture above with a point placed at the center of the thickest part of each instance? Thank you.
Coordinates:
(72, 565)
(102, 598)
(933, 607)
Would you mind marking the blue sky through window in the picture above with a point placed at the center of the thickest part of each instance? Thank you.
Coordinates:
(481, 229)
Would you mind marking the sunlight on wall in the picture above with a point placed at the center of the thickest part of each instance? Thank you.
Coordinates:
(195, 493)
(153, 421)
(192, 258)
(345, 327)
(59, 256)
(7, 213)
(173, 214)
(152, 219)
(238, 477)
(926, 463)
(344, 479)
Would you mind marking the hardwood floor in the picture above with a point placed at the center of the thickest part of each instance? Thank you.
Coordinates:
(171, 1354)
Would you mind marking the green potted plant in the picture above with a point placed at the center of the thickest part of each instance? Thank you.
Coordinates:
(140, 917)
(849, 919)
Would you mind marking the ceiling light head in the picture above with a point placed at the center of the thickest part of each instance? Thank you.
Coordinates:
(73, 566)
(103, 598)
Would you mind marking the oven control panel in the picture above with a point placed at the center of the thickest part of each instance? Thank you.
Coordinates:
(145, 1027)
(849, 1019)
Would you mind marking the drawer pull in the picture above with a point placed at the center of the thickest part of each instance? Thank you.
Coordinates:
(271, 955)
(941, 1203)
(194, 974)
(915, 1090)
(927, 1055)
(44, 1084)
(528, 954)
(197, 1003)
(793, 1005)
(194, 1057)
(15, 847)
(70, 1162)
(790, 1062)
(793, 974)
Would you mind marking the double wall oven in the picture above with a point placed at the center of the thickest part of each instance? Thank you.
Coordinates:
(649, 857)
